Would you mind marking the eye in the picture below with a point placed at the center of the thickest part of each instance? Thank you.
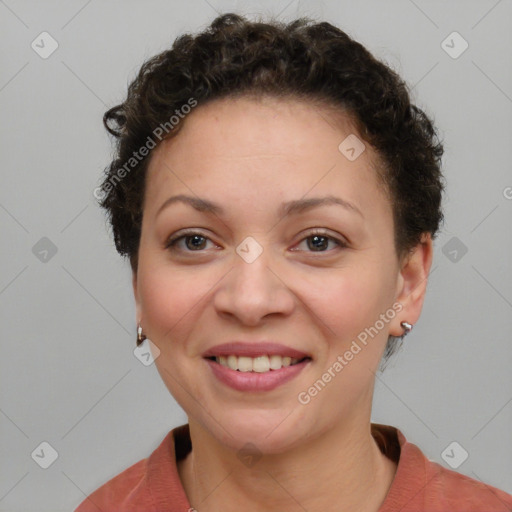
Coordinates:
(194, 241)
(320, 241)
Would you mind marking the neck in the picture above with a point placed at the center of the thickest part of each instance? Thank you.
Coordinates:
(343, 469)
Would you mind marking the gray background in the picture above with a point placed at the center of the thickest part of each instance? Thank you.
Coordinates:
(68, 373)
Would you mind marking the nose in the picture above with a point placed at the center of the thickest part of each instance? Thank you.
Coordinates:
(250, 292)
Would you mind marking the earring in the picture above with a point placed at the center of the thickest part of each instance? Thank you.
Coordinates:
(407, 327)
(140, 337)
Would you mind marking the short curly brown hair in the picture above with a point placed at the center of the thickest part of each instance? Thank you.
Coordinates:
(304, 59)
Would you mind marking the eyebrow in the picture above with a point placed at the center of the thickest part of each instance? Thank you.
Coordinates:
(288, 208)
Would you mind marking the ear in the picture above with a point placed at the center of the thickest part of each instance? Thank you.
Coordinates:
(136, 296)
(412, 284)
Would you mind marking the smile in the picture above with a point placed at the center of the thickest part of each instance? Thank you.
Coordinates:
(262, 373)
(260, 364)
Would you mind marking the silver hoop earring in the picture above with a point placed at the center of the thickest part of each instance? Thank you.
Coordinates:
(140, 337)
(407, 327)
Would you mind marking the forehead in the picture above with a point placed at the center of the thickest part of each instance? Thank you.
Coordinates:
(261, 125)
(264, 149)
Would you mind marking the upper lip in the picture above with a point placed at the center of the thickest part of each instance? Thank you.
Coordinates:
(240, 348)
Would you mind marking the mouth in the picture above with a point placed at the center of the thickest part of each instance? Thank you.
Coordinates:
(255, 374)
(259, 364)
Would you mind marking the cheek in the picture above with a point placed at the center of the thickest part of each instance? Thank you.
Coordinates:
(349, 306)
(168, 300)
(170, 303)
(351, 301)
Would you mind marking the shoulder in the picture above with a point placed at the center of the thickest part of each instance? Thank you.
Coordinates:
(459, 492)
(152, 484)
(422, 485)
(120, 492)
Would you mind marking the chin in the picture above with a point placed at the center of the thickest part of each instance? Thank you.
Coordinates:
(271, 432)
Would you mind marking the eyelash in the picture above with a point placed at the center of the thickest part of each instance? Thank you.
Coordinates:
(172, 242)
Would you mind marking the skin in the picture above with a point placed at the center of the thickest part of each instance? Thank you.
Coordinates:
(250, 155)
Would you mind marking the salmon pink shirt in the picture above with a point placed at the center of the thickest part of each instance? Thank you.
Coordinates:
(420, 485)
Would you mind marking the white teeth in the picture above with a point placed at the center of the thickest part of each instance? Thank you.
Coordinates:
(245, 364)
(275, 362)
(233, 362)
(260, 364)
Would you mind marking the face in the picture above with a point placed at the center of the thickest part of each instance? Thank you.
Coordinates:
(249, 270)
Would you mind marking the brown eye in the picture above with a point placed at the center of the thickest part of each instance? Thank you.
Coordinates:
(193, 242)
(196, 242)
(318, 241)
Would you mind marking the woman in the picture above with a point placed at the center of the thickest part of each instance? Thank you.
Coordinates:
(277, 196)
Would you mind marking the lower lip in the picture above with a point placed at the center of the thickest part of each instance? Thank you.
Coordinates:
(254, 381)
